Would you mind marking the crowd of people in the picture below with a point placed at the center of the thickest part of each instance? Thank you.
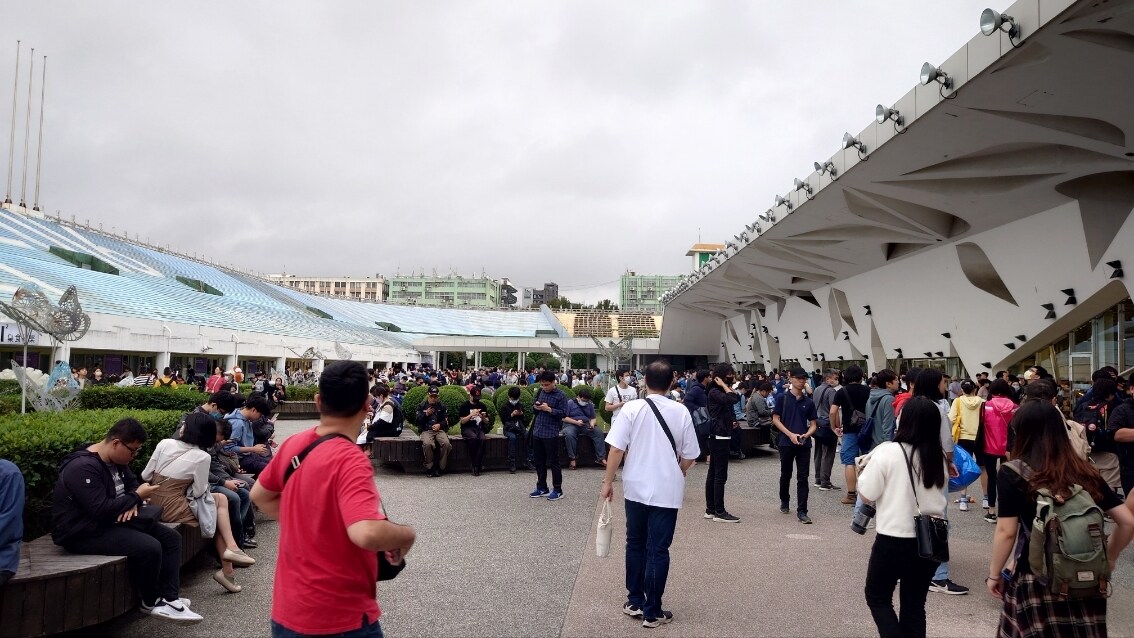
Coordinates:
(899, 437)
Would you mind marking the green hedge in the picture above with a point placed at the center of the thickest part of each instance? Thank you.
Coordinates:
(109, 397)
(301, 393)
(10, 404)
(10, 386)
(37, 442)
(452, 396)
(500, 399)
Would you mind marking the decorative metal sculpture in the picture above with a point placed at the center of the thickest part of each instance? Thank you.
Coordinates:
(342, 352)
(65, 321)
(614, 353)
(309, 354)
(561, 354)
(61, 391)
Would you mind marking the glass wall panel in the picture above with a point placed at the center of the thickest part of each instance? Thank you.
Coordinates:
(1127, 314)
(1106, 339)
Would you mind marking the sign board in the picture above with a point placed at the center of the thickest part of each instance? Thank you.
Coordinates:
(200, 365)
(11, 334)
(112, 364)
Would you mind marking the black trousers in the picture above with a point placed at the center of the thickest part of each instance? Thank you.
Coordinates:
(800, 457)
(717, 476)
(990, 464)
(153, 557)
(547, 454)
(892, 560)
(474, 441)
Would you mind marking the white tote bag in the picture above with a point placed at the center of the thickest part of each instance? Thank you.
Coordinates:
(603, 531)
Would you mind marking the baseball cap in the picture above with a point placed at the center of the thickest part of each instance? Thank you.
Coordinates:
(798, 373)
(434, 390)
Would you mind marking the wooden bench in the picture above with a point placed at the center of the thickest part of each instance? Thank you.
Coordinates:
(54, 590)
(297, 410)
(405, 452)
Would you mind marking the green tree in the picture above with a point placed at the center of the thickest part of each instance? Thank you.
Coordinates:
(606, 304)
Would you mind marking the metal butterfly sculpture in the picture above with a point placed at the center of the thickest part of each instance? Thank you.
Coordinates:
(342, 352)
(615, 352)
(65, 321)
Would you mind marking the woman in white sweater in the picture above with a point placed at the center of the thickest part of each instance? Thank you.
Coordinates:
(898, 495)
(180, 469)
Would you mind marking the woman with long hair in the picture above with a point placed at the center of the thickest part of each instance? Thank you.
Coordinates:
(1030, 609)
(897, 496)
(179, 468)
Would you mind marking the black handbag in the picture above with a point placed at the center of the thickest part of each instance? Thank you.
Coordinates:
(932, 531)
(146, 518)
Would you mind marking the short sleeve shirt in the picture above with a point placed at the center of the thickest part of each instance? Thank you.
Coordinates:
(324, 583)
(851, 397)
(618, 395)
(796, 415)
(651, 475)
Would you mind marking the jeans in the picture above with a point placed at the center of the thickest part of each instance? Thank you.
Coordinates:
(895, 559)
(942, 572)
(366, 630)
(824, 459)
(571, 435)
(649, 531)
(474, 441)
(517, 447)
(547, 453)
(153, 557)
(717, 476)
(239, 505)
(800, 456)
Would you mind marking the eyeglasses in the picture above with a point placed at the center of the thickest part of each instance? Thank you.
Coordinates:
(133, 450)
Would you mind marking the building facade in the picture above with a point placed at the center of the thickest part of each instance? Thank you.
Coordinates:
(448, 292)
(541, 296)
(640, 293)
(361, 288)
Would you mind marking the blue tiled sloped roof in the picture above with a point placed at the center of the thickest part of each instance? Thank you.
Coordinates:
(146, 287)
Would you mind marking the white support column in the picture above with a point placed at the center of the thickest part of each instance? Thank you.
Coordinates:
(317, 366)
(229, 362)
(477, 359)
(281, 365)
(161, 361)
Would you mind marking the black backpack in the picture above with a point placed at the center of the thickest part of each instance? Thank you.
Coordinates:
(1092, 415)
(379, 427)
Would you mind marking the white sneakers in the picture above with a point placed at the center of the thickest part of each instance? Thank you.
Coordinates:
(176, 611)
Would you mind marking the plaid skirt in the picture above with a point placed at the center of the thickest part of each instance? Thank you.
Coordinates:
(1031, 611)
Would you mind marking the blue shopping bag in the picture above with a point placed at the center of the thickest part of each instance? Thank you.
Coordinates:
(967, 470)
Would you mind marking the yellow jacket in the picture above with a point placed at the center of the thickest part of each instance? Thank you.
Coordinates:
(965, 412)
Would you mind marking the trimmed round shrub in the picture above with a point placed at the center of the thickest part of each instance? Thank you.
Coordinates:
(301, 392)
(10, 386)
(410, 401)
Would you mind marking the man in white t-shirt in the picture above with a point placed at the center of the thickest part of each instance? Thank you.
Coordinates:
(620, 395)
(653, 487)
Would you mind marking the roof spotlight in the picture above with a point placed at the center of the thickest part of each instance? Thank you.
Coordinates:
(882, 113)
(780, 201)
(801, 185)
(992, 21)
(826, 168)
(930, 73)
(850, 141)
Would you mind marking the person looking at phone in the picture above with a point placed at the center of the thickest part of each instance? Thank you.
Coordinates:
(433, 421)
(720, 400)
(550, 407)
(795, 417)
(224, 470)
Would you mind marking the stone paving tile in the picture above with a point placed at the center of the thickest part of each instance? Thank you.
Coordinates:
(491, 562)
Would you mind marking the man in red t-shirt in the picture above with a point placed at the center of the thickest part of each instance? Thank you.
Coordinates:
(331, 521)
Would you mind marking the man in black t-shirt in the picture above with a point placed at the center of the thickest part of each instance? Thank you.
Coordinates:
(852, 397)
(475, 420)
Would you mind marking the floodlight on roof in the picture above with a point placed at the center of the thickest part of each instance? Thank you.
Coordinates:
(827, 168)
(883, 113)
(801, 185)
(992, 21)
(850, 141)
(930, 73)
(780, 201)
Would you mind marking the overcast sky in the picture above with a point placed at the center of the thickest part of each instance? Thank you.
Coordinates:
(541, 141)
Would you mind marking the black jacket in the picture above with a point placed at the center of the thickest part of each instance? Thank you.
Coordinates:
(426, 421)
(84, 503)
(720, 410)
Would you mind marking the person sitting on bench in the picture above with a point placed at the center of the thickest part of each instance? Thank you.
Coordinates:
(433, 422)
(95, 510)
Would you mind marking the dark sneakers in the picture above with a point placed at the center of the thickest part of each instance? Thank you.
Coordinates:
(947, 587)
(722, 518)
(805, 519)
(785, 508)
(632, 610)
(665, 618)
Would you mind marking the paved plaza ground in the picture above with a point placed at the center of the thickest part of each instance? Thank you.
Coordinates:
(489, 561)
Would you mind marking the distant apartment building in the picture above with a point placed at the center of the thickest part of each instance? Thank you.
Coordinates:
(541, 296)
(639, 293)
(360, 288)
(453, 291)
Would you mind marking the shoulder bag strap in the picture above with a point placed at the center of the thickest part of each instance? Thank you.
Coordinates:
(665, 428)
(297, 460)
(167, 464)
(913, 484)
